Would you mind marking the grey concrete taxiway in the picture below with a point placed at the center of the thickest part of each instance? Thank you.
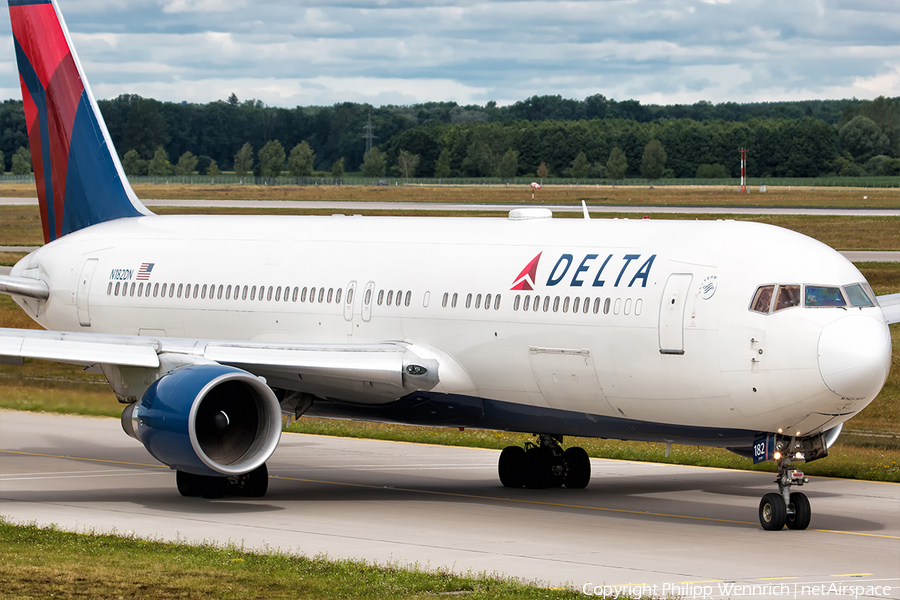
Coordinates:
(676, 530)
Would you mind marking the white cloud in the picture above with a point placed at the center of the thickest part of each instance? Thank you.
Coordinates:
(317, 91)
(887, 83)
(201, 6)
(471, 51)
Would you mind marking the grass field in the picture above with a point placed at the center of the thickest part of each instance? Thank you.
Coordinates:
(48, 563)
(557, 194)
(21, 225)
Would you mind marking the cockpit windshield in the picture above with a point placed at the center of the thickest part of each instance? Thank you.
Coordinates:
(762, 300)
(819, 295)
(788, 296)
(858, 296)
(772, 298)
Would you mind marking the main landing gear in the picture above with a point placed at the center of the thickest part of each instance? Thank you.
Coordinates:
(544, 464)
(249, 485)
(785, 507)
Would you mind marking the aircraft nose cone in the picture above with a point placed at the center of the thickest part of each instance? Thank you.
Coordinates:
(855, 356)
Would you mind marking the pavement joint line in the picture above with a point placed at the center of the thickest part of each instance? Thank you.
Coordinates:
(857, 582)
(878, 535)
(47, 473)
(472, 496)
(99, 460)
(94, 476)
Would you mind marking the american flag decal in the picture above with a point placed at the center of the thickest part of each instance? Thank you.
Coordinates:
(144, 273)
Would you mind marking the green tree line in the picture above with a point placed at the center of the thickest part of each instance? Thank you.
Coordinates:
(804, 147)
(573, 138)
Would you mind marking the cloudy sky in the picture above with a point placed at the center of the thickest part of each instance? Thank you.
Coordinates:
(313, 52)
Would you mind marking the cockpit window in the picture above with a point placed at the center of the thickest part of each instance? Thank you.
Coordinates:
(762, 300)
(788, 296)
(857, 295)
(820, 295)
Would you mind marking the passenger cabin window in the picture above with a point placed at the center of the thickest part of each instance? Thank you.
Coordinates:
(819, 295)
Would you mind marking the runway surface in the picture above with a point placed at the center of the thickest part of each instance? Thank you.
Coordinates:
(458, 207)
(685, 530)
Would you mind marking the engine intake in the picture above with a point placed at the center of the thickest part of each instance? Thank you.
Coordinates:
(207, 420)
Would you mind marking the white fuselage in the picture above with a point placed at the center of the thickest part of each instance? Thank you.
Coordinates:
(645, 320)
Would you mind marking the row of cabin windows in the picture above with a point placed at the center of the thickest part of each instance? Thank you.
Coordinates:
(237, 292)
(547, 303)
(396, 299)
(385, 297)
(576, 304)
(490, 301)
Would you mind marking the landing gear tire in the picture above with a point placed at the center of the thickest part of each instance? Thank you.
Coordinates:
(578, 468)
(799, 516)
(188, 486)
(773, 512)
(213, 487)
(200, 485)
(250, 485)
(511, 467)
(543, 465)
(538, 468)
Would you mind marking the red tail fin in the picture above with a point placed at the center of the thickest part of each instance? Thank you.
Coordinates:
(79, 179)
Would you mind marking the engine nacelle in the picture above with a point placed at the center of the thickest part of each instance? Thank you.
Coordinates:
(207, 420)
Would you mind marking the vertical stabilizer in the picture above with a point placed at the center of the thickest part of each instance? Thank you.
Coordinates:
(79, 178)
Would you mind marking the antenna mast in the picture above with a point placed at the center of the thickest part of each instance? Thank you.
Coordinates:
(368, 135)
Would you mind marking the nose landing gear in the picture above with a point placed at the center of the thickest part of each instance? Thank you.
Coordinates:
(785, 507)
(544, 464)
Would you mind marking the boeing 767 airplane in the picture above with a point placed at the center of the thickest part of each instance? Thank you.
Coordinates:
(210, 328)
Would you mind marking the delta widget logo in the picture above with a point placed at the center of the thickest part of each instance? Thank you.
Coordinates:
(525, 281)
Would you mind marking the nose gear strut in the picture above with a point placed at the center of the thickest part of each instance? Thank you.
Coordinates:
(785, 507)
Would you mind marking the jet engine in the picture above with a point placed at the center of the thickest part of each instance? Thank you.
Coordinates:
(207, 419)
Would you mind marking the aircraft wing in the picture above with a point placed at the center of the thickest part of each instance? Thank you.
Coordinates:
(393, 364)
(890, 306)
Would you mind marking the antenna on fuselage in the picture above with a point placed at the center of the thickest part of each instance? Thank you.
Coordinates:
(584, 208)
